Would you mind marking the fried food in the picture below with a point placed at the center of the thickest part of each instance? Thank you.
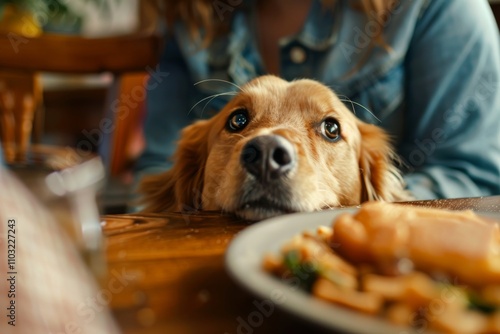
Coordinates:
(416, 267)
(434, 240)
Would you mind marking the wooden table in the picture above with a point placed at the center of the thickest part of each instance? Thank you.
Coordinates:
(166, 273)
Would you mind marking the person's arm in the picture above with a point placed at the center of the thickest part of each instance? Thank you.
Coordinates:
(166, 110)
(452, 141)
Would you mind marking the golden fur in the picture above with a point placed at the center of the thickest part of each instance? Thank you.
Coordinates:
(208, 173)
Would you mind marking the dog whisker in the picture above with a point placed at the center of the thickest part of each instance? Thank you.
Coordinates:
(210, 97)
(343, 194)
(326, 205)
(208, 102)
(323, 188)
(218, 80)
(362, 106)
(345, 98)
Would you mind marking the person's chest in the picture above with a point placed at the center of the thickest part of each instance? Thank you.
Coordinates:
(273, 25)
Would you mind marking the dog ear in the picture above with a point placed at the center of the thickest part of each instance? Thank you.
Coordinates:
(181, 187)
(381, 179)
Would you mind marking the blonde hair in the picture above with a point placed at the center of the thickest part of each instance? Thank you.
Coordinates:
(202, 15)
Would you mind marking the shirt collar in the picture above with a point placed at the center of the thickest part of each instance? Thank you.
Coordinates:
(321, 28)
(319, 32)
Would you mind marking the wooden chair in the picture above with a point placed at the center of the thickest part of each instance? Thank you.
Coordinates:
(22, 58)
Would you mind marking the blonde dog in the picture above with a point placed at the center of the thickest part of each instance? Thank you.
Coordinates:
(277, 147)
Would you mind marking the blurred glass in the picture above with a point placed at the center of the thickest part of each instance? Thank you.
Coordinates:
(70, 195)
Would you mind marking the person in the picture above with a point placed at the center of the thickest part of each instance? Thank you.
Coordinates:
(425, 71)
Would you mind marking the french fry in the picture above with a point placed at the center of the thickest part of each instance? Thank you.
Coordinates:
(314, 250)
(272, 264)
(367, 302)
(399, 313)
(391, 288)
(330, 265)
(459, 321)
(420, 290)
(493, 326)
(325, 233)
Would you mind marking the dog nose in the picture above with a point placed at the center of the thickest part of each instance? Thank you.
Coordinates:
(268, 157)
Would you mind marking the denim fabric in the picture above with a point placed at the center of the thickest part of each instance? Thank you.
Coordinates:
(435, 89)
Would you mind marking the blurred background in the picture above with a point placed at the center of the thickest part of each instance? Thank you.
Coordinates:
(69, 68)
(72, 83)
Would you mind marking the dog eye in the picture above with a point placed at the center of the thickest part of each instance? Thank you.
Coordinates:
(237, 121)
(330, 129)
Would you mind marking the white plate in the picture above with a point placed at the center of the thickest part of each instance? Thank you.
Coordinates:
(244, 259)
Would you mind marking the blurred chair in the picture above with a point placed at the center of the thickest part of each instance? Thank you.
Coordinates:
(23, 58)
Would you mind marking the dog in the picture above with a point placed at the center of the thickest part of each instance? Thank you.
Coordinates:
(277, 147)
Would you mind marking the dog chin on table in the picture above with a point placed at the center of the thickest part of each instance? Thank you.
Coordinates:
(277, 147)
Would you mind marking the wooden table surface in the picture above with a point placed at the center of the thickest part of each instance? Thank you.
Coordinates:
(166, 273)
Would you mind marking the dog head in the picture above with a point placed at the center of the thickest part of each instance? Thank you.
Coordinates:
(277, 147)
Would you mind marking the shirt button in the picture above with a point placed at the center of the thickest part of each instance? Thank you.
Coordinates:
(298, 55)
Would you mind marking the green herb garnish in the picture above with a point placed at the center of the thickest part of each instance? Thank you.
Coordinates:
(478, 304)
(306, 272)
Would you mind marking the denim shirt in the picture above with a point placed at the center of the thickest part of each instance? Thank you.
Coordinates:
(434, 89)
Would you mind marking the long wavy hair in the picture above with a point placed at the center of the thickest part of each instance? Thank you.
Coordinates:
(205, 15)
